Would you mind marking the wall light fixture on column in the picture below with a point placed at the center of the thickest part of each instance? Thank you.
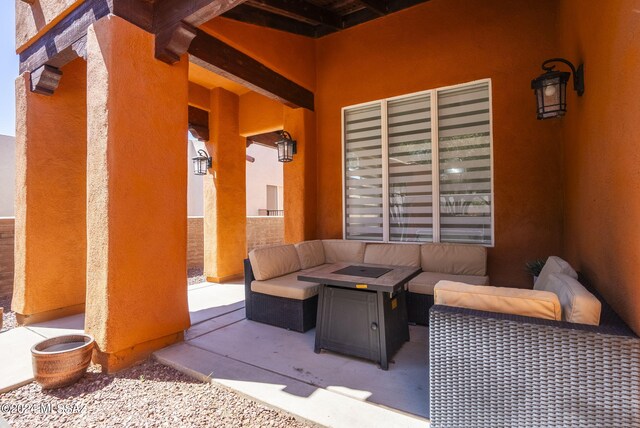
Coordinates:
(550, 88)
(287, 147)
(201, 163)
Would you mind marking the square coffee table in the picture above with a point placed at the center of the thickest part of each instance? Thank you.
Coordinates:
(361, 309)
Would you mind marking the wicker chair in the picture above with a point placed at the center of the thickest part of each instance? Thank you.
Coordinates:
(292, 314)
(495, 370)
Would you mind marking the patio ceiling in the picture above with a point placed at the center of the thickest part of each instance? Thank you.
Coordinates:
(314, 18)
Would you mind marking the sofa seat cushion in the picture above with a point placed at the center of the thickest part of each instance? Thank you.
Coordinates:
(286, 286)
(456, 259)
(553, 265)
(426, 281)
(393, 254)
(340, 250)
(275, 261)
(310, 253)
(515, 301)
(578, 304)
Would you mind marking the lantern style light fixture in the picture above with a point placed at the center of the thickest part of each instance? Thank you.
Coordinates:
(201, 163)
(550, 88)
(287, 147)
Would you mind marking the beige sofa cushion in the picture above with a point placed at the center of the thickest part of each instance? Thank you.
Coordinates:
(310, 253)
(393, 254)
(340, 250)
(270, 262)
(286, 286)
(515, 301)
(456, 259)
(553, 265)
(424, 283)
(578, 304)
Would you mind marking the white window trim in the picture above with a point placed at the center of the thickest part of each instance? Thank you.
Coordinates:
(435, 161)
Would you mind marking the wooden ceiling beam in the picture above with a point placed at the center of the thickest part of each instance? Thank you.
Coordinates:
(301, 9)
(175, 21)
(251, 15)
(379, 7)
(226, 61)
(199, 123)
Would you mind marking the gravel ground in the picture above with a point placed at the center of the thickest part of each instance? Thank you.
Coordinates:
(8, 317)
(195, 276)
(145, 395)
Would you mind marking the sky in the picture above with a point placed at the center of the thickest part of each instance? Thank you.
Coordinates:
(8, 68)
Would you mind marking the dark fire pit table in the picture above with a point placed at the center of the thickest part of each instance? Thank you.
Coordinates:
(361, 309)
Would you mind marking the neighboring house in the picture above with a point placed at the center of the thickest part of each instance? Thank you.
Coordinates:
(264, 181)
(7, 175)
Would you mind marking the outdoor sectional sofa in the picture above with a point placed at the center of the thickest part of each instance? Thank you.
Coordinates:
(555, 356)
(273, 294)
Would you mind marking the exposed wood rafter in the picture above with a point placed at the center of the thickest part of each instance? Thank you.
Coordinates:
(175, 20)
(301, 10)
(45, 80)
(252, 15)
(199, 123)
(268, 139)
(379, 7)
(216, 56)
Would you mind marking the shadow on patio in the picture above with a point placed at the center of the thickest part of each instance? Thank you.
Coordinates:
(279, 367)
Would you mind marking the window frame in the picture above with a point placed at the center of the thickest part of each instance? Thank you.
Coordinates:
(435, 162)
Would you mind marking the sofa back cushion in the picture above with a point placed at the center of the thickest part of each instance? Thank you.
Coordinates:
(455, 259)
(310, 253)
(515, 301)
(578, 304)
(270, 262)
(340, 250)
(393, 254)
(553, 265)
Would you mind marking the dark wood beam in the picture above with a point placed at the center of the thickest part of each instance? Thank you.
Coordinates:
(300, 10)
(199, 123)
(194, 12)
(66, 40)
(175, 21)
(379, 7)
(63, 35)
(45, 80)
(251, 15)
(216, 56)
(268, 139)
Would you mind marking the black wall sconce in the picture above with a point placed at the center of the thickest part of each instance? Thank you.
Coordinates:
(287, 147)
(550, 88)
(201, 163)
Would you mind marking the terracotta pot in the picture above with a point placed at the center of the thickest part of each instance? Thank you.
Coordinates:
(61, 361)
(1, 314)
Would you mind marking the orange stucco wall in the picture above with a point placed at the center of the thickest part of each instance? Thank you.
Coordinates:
(446, 42)
(51, 151)
(300, 177)
(601, 152)
(137, 194)
(259, 114)
(290, 55)
(224, 191)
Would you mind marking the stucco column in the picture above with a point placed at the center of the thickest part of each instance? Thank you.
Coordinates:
(137, 195)
(50, 226)
(300, 177)
(225, 217)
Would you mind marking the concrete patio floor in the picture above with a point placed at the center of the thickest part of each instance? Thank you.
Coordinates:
(269, 364)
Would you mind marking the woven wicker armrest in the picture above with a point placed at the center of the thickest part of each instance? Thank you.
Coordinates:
(490, 370)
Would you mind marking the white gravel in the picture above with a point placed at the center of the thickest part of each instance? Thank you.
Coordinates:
(146, 395)
(8, 317)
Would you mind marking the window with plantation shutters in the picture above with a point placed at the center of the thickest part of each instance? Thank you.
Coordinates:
(418, 168)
